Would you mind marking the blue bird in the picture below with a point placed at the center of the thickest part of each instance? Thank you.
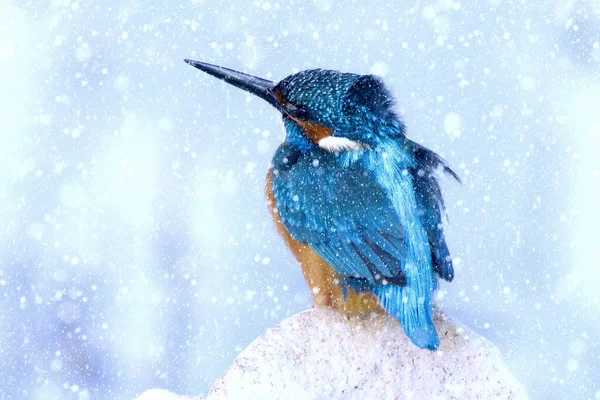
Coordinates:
(356, 201)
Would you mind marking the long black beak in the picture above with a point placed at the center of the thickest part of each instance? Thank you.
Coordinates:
(263, 88)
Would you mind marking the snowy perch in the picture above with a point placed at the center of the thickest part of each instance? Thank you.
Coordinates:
(322, 354)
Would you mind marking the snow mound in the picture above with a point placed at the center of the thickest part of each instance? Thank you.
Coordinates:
(323, 354)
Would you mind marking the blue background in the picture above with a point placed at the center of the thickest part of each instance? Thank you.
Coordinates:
(136, 250)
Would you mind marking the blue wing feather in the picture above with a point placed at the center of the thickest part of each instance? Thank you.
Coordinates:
(431, 203)
(342, 213)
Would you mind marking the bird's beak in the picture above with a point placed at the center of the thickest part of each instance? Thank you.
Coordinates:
(260, 87)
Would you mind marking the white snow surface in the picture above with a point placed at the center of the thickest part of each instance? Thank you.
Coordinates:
(324, 354)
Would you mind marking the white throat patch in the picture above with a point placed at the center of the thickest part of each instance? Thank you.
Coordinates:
(337, 144)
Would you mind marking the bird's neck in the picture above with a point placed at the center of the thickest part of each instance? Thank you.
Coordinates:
(296, 137)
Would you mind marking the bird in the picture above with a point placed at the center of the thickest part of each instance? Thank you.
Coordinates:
(357, 202)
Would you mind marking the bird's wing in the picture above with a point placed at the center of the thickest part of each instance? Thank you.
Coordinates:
(342, 213)
(430, 200)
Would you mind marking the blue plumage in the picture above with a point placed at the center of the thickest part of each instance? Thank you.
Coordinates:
(342, 212)
(373, 214)
(348, 183)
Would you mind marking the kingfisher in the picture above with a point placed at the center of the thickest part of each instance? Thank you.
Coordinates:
(356, 201)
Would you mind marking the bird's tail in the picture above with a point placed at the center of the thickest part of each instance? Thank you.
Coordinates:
(414, 313)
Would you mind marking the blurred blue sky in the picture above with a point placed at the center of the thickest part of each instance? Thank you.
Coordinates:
(135, 247)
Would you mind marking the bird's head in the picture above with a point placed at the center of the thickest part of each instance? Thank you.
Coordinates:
(333, 110)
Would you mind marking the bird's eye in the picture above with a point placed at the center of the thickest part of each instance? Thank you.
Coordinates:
(290, 107)
(298, 113)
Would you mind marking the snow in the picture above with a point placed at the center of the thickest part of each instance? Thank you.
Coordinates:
(7, 50)
(453, 124)
(128, 178)
(83, 52)
(429, 12)
(379, 68)
(322, 351)
(160, 394)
